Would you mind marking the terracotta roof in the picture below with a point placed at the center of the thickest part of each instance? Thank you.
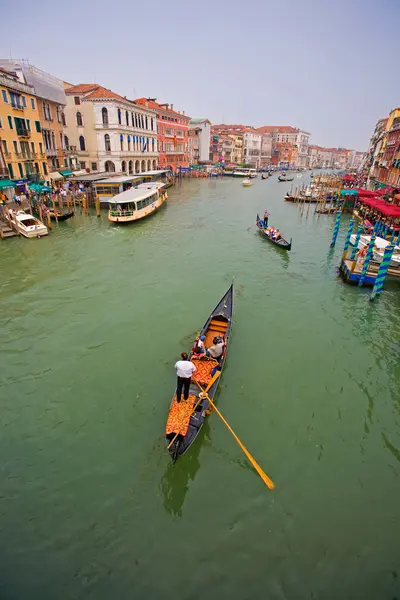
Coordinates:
(278, 129)
(9, 73)
(82, 88)
(102, 92)
(146, 102)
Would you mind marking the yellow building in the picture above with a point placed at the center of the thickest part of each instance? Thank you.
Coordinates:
(21, 140)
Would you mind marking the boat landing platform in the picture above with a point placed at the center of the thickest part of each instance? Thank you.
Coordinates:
(351, 274)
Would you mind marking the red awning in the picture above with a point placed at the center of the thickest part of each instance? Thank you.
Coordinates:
(388, 210)
(386, 190)
(349, 178)
(365, 193)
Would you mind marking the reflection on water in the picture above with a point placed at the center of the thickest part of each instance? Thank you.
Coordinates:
(174, 484)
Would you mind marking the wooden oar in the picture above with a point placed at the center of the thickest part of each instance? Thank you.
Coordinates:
(268, 482)
(212, 380)
(254, 224)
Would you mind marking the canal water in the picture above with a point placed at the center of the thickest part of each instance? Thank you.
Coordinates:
(93, 319)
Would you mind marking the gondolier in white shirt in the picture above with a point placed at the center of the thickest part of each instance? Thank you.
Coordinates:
(184, 371)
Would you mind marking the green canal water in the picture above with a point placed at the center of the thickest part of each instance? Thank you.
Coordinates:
(93, 319)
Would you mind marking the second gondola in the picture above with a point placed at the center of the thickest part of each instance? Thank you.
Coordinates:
(262, 226)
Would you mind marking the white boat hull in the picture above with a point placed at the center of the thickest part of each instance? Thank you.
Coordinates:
(379, 249)
(138, 214)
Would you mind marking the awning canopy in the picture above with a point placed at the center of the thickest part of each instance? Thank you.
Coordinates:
(349, 178)
(365, 193)
(78, 173)
(348, 192)
(385, 190)
(39, 189)
(55, 175)
(6, 183)
(388, 210)
(65, 172)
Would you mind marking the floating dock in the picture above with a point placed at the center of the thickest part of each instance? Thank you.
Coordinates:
(351, 274)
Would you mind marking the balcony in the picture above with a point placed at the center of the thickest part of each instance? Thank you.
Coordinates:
(17, 106)
(70, 150)
(51, 152)
(22, 132)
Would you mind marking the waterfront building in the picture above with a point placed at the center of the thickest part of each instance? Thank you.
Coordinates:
(110, 132)
(372, 159)
(51, 101)
(252, 141)
(266, 150)
(21, 137)
(172, 134)
(285, 134)
(199, 137)
(235, 132)
(237, 151)
(389, 155)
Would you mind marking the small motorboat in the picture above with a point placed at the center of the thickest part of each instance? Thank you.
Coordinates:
(28, 225)
(247, 182)
(262, 225)
(379, 248)
(59, 216)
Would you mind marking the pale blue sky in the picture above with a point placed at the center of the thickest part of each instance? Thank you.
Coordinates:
(330, 68)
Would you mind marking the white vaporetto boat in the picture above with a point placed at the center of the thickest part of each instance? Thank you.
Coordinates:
(28, 225)
(379, 248)
(136, 203)
(247, 183)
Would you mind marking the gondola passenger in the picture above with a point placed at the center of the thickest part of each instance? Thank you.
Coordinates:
(216, 350)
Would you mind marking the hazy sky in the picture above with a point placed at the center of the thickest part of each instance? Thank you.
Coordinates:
(331, 68)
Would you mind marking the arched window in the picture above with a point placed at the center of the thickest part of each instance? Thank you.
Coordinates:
(142, 121)
(79, 120)
(152, 144)
(109, 166)
(123, 166)
(130, 167)
(147, 123)
(82, 144)
(129, 143)
(136, 121)
(137, 166)
(133, 120)
(119, 116)
(154, 165)
(66, 142)
(104, 115)
(127, 117)
(152, 124)
(149, 165)
(143, 166)
(107, 143)
(121, 139)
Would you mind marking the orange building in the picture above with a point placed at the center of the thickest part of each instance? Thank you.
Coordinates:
(172, 134)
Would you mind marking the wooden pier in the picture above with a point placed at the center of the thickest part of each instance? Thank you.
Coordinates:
(352, 274)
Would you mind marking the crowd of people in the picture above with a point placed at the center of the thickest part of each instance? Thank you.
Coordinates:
(274, 234)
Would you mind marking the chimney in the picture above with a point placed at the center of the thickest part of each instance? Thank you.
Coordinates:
(183, 112)
(172, 107)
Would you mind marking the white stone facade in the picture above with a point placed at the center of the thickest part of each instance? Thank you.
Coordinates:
(252, 148)
(126, 137)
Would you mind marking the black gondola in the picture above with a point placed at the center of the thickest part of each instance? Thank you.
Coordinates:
(283, 178)
(58, 216)
(264, 176)
(186, 418)
(262, 224)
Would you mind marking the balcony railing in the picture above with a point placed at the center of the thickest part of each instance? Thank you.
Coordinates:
(52, 152)
(21, 132)
(70, 150)
(17, 106)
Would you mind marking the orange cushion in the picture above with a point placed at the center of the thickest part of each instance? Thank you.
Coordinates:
(179, 415)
